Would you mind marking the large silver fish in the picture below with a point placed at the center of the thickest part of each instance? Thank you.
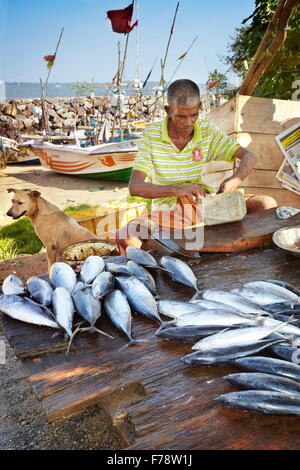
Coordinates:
(187, 334)
(62, 275)
(262, 401)
(234, 338)
(176, 308)
(269, 365)
(143, 275)
(286, 285)
(139, 297)
(260, 381)
(140, 257)
(117, 269)
(119, 311)
(40, 290)
(234, 300)
(211, 305)
(25, 310)
(179, 271)
(63, 309)
(272, 288)
(12, 284)
(227, 355)
(258, 296)
(91, 268)
(102, 284)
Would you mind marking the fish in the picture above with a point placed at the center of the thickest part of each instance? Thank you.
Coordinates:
(187, 334)
(12, 284)
(286, 351)
(282, 307)
(63, 309)
(176, 308)
(143, 275)
(257, 296)
(118, 309)
(117, 269)
(260, 381)
(25, 310)
(262, 401)
(272, 288)
(179, 271)
(211, 318)
(89, 309)
(62, 275)
(211, 305)
(234, 300)
(285, 318)
(287, 328)
(40, 290)
(235, 338)
(102, 284)
(226, 355)
(139, 297)
(140, 257)
(91, 268)
(286, 285)
(270, 365)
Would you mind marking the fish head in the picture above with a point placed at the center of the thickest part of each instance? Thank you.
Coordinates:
(24, 202)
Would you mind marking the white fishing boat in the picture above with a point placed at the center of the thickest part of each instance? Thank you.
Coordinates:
(107, 161)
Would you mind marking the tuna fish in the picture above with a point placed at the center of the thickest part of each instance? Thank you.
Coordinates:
(187, 334)
(12, 284)
(92, 266)
(275, 289)
(40, 290)
(25, 310)
(63, 309)
(117, 269)
(281, 307)
(62, 275)
(258, 296)
(226, 355)
(260, 381)
(176, 308)
(211, 305)
(139, 297)
(286, 285)
(262, 401)
(286, 351)
(102, 284)
(140, 257)
(143, 275)
(234, 300)
(269, 365)
(118, 310)
(179, 271)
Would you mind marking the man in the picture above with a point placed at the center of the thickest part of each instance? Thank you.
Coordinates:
(171, 157)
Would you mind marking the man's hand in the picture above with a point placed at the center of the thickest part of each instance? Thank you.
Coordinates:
(193, 192)
(230, 184)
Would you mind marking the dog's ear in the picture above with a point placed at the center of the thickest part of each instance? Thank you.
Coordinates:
(11, 190)
(34, 194)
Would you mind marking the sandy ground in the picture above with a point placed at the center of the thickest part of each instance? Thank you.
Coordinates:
(23, 424)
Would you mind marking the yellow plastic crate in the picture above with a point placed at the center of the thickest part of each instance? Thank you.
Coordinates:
(108, 216)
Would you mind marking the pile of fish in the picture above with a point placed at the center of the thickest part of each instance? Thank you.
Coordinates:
(228, 326)
(120, 288)
(223, 326)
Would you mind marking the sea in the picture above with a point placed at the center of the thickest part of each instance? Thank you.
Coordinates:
(18, 90)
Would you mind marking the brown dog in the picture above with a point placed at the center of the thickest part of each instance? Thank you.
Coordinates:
(54, 228)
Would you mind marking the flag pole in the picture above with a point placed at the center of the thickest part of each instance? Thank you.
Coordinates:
(57, 46)
(163, 63)
(182, 58)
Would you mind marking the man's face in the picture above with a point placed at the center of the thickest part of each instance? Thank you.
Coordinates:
(183, 119)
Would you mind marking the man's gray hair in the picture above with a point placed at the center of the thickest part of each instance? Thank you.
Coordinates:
(183, 93)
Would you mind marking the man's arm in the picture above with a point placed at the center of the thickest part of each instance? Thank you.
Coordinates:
(138, 187)
(247, 164)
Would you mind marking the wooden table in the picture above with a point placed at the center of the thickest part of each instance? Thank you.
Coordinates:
(154, 400)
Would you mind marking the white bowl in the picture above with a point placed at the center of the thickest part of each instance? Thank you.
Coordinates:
(288, 239)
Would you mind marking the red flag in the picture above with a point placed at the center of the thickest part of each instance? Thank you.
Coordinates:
(121, 19)
(211, 84)
(50, 60)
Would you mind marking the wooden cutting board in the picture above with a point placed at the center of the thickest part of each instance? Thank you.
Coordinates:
(254, 231)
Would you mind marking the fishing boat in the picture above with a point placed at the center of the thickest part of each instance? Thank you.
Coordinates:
(107, 161)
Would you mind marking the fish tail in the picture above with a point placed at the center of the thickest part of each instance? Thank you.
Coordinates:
(132, 342)
(93, 328)
(72, 337)
(164, 324)
(196, 296)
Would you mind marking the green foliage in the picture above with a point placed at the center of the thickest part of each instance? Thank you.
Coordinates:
(284, 69)
(82, 88)
(80, 207)
(217, 76)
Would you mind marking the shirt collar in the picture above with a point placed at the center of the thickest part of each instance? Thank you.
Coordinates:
(197, 137)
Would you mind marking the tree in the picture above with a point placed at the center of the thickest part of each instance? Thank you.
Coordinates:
(285, 66)
(216, 76)
(82, 88)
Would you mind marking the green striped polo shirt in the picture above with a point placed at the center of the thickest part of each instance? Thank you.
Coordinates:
(164, 163)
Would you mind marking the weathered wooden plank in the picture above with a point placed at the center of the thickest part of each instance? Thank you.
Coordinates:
(262, 179)
(284, 197)
(264, 147)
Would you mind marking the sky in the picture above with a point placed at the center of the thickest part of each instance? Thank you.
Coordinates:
(88, 49)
